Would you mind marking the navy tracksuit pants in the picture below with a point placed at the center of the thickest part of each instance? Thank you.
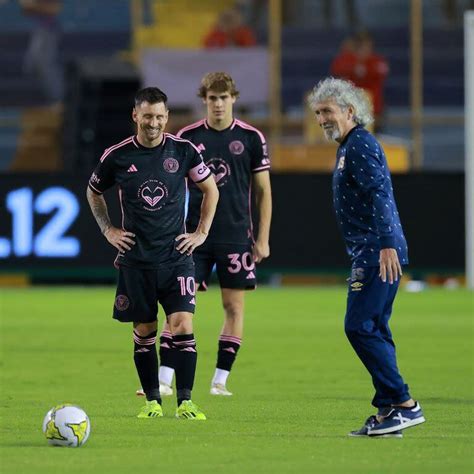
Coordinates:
(369, 307)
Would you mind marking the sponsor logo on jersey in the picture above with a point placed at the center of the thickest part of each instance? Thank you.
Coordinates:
(220, 169)
(153, 192)
(356, 286)
(201, 147)
(341, 163)
(122, 302)
(132, 169)
(171, 165)
(236, 147)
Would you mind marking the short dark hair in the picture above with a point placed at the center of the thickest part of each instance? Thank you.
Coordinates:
(152, 95)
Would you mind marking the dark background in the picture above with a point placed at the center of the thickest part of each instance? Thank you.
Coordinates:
(304, 235)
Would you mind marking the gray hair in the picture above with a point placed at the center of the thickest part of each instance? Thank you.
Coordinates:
(345, 94)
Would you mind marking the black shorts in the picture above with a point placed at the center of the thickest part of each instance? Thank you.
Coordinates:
(234, 264)
(140, 291)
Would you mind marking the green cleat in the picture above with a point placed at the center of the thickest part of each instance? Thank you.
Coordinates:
(189, 411)
(152, 409)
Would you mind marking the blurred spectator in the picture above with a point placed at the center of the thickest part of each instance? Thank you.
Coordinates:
(358, 63)
(42, 56)
(230, 32)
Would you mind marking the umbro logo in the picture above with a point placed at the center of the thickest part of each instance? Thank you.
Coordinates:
(132, 169)
(250, 276)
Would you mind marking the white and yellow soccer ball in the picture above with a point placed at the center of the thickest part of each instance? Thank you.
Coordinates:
(66, 425)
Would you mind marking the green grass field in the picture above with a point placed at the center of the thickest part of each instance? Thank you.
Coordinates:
(298, 387)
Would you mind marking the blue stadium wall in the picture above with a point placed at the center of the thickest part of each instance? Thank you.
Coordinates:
(48, 233)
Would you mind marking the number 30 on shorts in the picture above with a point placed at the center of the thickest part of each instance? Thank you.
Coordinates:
(188, 285)
(237, 262)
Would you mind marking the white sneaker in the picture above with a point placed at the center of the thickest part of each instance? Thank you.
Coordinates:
(219, 389)
(165, 391)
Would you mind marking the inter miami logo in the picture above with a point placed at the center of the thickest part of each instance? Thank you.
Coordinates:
(220, 169)
(122, 302)
(236, 147)
(171, 165)
(153, 193)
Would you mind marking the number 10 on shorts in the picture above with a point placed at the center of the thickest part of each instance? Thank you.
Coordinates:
(188, 285)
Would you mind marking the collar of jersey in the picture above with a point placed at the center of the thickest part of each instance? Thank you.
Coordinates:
(142, 147)
(230, 127)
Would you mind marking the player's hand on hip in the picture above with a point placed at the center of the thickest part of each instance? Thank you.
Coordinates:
(188, 242)
(260, 250)
(390, 267)
(120, 239)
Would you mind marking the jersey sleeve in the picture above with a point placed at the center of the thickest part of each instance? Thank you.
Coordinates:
(103, 176)
(366, 164)
(259, 154)
(198, 171)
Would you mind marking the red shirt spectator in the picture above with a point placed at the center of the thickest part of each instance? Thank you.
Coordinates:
(358, 63)
(230, 32)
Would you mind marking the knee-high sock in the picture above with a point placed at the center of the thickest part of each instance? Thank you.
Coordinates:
(185, 365)
(228, 348)
(146, 363)
(167, 358)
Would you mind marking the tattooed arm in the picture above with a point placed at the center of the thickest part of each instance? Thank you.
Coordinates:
(119, 238)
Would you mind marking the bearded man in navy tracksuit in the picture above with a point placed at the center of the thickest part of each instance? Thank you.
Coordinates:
(370, 224)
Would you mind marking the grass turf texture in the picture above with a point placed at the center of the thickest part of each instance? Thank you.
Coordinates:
(298, 387)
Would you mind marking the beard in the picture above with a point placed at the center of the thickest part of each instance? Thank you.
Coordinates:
(332, 133)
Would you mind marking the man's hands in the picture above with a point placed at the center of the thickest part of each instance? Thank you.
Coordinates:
(188, 242)
(260, 251)
(120, 239)
(389, 265)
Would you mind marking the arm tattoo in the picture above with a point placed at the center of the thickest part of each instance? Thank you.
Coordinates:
(99, 210)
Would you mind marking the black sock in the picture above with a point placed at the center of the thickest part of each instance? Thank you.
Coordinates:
(146, 362)
(167, 350)
(185, 365)
(228, 348)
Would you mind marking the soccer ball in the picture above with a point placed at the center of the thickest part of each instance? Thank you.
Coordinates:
(66, 425)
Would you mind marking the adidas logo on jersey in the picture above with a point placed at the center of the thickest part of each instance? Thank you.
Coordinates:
(193, 301)
(250, 276)
(132, 169)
